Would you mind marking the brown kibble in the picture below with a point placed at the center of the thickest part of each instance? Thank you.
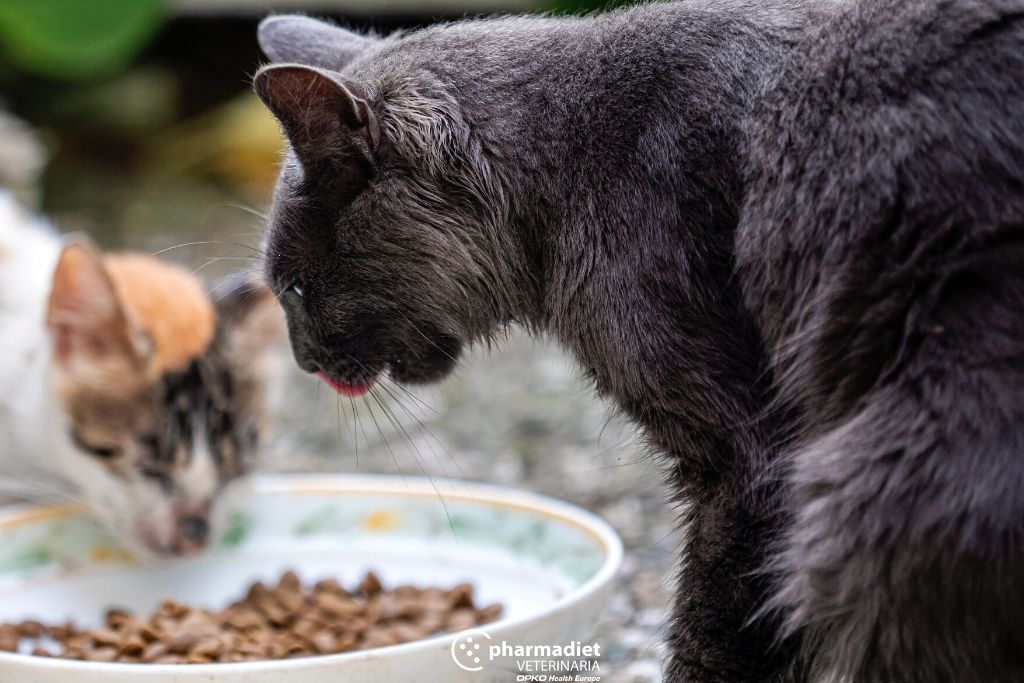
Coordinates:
(286, 620)
(148, 631)
(406, 633)
(182, 642)
(101, 654)
(378, 639)
(338, 606)
(170, 659)
(117, 618)
(105, 637)
(9, 638)
(209, 647)
(60, 633)
(243, 618)
(289, 582)
(154, 651)
(292, 602)
(328, 586)
(31, 629)
(81, 641)
(306, 628)
(461, 619)
(255, 592)
(432, 623)
(172, 609)
(325, 643)
(410, 609)
(274, 612)
(370, 585)
(346, 642)
(133, 647)
(486, 615)
(461, 596)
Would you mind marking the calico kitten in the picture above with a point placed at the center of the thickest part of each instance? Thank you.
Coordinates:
(125, 386)
(786, 238)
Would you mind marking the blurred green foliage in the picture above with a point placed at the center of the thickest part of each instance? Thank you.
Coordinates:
(582, 6)
(77, 39)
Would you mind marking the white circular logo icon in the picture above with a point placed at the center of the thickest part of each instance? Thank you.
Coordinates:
(468, 650)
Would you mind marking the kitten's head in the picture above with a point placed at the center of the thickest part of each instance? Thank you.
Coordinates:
(378, 241)
(162, 392)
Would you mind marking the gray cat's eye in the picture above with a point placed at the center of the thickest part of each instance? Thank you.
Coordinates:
(299, 289)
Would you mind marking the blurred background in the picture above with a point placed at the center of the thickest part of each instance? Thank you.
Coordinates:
(133, 121)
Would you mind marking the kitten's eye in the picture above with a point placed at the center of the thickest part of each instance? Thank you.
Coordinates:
(159, 476)
(151, 443)
(102, 452)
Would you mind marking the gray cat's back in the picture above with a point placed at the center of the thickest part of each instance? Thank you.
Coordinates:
(881, 249)
(889, 112)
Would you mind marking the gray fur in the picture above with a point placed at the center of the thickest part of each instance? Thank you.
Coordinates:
(307, 41)
(786, 238)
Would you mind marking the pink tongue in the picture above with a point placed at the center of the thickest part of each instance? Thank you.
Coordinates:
(345, 389)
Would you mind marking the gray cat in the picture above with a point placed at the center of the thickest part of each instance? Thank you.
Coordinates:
(786, 238)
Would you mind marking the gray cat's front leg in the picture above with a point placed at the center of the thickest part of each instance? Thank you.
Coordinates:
(714, 636)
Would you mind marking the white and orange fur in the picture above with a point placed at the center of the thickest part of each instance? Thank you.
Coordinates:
(125, 387)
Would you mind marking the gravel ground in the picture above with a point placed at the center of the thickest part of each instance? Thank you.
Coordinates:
(518, 415)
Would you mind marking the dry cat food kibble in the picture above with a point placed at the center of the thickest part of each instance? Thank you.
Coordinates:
(270, 622)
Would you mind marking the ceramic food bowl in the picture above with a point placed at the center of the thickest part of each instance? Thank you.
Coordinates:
(549, 563)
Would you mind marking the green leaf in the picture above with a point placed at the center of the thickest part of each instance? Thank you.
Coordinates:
(77, 39)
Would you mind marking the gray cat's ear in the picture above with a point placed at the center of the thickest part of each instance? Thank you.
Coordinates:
(323, 117)
(301, 40)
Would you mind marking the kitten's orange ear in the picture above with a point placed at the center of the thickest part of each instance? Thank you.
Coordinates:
(90, 330)
(324, 118)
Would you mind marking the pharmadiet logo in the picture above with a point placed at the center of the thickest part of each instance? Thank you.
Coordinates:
(467, 650)
(572, 662)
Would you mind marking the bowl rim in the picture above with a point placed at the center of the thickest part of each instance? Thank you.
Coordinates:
(355, 484)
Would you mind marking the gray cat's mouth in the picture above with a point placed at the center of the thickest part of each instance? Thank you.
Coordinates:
(348, 389)
(431, 360)
(352, 365)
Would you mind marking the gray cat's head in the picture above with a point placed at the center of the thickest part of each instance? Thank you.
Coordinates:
(381, 234)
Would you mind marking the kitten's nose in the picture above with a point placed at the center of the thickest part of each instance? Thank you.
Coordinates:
(191, 529)
(194, 528)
